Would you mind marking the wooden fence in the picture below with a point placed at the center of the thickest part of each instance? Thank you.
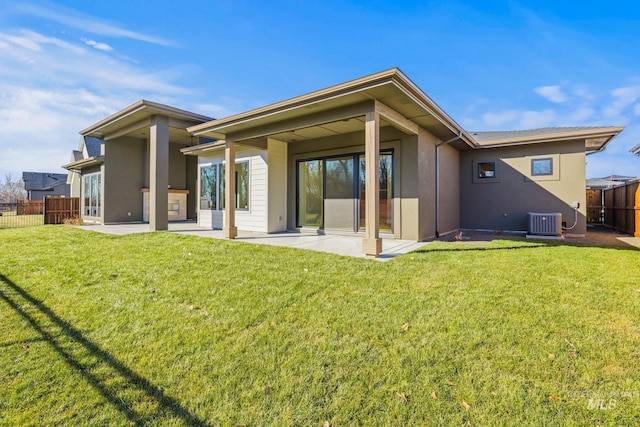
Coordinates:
(30, 207)
(59, 209)
(30, 213)
(620, 207)
(595, 208)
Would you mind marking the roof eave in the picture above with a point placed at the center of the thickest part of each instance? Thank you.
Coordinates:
(610, 132)
(196, 150)
(141, 105)
(395, 76)
(81, 164)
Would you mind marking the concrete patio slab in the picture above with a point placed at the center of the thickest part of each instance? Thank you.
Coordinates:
(335, 244)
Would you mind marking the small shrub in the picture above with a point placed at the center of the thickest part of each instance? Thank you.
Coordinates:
(74, 220)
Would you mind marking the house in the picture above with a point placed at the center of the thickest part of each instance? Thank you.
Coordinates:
(42, 184)
(301, 165)
(608, 181)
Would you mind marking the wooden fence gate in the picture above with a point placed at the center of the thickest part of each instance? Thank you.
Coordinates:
(595, 207)
(59, 209)
(620, 207)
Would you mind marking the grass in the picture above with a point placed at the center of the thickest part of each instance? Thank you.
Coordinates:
(167, 329)
(11, 220)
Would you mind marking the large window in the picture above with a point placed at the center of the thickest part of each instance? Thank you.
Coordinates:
(331, 192)
(92, 194)
(212, 183)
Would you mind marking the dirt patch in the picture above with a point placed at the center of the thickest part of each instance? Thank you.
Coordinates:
(596, 236)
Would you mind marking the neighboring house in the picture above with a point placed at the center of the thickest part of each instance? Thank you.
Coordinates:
(608, 181)
(301, 165)
(42, 184)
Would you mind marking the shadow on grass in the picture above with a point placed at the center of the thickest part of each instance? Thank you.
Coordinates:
(73, 347)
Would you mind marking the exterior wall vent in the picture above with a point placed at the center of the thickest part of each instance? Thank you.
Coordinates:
(545, 224)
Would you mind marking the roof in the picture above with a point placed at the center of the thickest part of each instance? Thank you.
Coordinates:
(135, 120)
(608, 181)
(92, 144)
(338, 109)
(309, 116)
(635, 150)
(42, 181)
(596, 137)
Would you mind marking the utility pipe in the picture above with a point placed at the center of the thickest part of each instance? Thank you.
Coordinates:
(449, 141)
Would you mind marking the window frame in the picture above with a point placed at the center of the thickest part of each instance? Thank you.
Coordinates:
(479, 173)
(540, 160)
(92, 194)
(217, 202)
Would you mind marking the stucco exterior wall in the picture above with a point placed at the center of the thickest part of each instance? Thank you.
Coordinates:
(502, 203)
(449, 194)
(123, 179)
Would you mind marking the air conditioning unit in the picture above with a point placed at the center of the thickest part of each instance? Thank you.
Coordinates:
(545, 224)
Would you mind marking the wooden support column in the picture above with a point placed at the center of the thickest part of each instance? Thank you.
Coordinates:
(229, 229)
(372, 244)
(159, 173)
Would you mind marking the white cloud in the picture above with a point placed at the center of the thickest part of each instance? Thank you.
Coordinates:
(50, 89)
(86, 22)
(497, 120)
(551, 93)
(622, 98)
(98, 45)
(582, 114)
(536, 119)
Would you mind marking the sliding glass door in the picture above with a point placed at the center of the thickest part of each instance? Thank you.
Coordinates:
(340, 195)
(310, 193)
(385, 177)
(331, 192)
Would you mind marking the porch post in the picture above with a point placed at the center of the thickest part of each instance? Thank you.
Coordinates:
(372, 244)
(158, 173)
(229, 229)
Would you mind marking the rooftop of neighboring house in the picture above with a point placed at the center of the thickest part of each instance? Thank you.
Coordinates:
(42, 181)
(608, 181)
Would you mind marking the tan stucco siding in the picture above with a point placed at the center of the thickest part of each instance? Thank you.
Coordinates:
(123, 179)
(502, 203)
(449, 195)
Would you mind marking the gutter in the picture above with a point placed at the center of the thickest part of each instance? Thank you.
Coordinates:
(449, 141)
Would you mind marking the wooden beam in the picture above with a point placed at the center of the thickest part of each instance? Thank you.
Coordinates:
(396, 119)
(229, 229)
(372, 244)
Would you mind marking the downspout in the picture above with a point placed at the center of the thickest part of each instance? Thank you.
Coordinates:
(449, 141)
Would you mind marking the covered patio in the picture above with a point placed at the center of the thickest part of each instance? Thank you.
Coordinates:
(336, 244)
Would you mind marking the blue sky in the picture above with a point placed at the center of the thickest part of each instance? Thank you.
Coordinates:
(491, 65)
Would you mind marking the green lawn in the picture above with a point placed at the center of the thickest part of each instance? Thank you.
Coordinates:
(167, 329)
(11, 220)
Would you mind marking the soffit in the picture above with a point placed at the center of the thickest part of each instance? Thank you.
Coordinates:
(390, 87)
(135, 120)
